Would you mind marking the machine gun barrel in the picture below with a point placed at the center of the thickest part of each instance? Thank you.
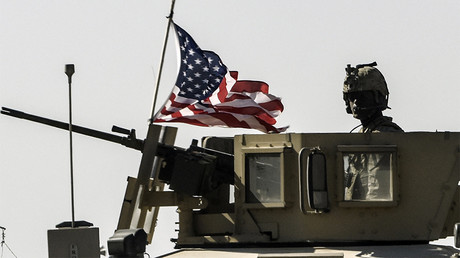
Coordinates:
(129, 142)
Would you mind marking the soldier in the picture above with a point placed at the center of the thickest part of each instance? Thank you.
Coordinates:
(365, 94)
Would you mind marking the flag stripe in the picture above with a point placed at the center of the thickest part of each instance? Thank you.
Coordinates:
(226, 120)
(251, 86)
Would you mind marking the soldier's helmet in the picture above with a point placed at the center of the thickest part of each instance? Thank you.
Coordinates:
(365, 77)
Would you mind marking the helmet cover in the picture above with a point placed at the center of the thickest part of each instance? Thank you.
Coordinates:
(365, 77)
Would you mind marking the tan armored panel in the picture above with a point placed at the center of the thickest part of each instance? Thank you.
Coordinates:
(271, 206)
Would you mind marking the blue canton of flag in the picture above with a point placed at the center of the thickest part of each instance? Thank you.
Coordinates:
(201, 71)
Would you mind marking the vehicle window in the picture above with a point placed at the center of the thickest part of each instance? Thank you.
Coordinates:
(368, 176)
(263, 178)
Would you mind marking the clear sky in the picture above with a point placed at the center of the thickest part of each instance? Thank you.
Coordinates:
(300, 48)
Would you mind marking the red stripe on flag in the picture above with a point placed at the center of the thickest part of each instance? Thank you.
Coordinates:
(250, 86)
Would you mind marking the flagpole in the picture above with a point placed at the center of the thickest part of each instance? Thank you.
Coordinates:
(160, 69)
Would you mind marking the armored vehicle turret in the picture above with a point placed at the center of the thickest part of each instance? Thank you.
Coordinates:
(292, 195)
(292, 190)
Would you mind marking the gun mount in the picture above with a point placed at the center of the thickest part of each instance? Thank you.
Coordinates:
(161, 163)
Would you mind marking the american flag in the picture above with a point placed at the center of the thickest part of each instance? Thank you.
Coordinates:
(206, 93)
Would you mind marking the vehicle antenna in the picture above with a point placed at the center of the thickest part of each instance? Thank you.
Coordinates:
(157, 84)
(69, 71)
(4, 243)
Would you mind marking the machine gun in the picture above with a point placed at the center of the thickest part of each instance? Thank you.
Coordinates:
(130, 141)
(192, 173)
(175, 159)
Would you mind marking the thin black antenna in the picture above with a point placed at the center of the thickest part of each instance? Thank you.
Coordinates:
(70, 70)
(4, 243)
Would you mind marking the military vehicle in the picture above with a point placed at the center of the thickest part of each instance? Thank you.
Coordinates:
(287, 195)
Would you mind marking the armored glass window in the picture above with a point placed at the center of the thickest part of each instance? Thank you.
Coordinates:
(367, 176)
(263, 178)
(368, 173)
